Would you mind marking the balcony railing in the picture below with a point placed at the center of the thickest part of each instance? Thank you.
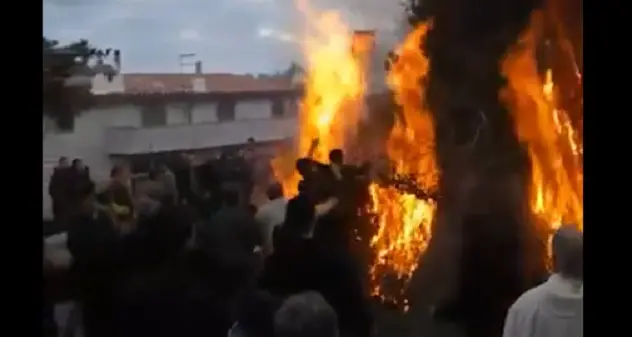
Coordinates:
(128, 141)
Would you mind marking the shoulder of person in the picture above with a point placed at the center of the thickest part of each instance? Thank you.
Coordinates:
(529, 300)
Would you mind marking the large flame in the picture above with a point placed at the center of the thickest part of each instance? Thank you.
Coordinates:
(555, 147)
(334, 86)
(404, 220)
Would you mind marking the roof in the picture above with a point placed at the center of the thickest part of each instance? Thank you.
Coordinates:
(215, 83)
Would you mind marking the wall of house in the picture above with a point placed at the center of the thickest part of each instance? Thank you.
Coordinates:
(99, 133)
(198, 127)
(87, 142)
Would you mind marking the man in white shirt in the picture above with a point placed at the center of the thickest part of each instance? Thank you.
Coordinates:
(556, 307)
(271, 215)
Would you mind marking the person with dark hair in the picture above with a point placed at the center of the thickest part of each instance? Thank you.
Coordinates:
(270, 215)
(257, 316)
(336, 157)
(78, 180)
(230, 198)
(119, 197)
(306, 315)
(48, 300)
(93, 243)
(556, 307)
(81, 171)
(59, 188)
(173, 290)
(232, 239)
(168, 180)
(78, 164)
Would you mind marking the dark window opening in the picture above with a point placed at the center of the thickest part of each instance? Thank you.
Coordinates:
(226, 111)
(153, 115)
(65, 123)
(278, 110)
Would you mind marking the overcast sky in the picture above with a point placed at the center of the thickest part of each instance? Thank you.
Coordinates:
(237, 36)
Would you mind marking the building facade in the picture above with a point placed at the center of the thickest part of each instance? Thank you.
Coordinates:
(140, 114)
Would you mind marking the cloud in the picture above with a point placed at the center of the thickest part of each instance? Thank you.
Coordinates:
(190, 35)
(269, 33)
(226, 35)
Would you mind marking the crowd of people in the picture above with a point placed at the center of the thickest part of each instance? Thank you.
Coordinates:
(161, 258)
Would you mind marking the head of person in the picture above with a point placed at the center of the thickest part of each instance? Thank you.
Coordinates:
(78, 164)
(274, 191)
(63, 162)
(306, 315)
(119, 173)
(230, 197)
(169, 229)
(156, 174)
(257, 318)
(304, 167)
(163, 168)
(336, 156)
(568, 253)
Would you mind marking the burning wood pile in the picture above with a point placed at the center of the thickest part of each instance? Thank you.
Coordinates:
(523, 113)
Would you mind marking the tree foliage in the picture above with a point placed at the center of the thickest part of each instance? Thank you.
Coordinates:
(63, 68)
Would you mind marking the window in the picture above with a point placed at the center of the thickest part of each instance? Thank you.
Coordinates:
(226, 111)
(292, 107)
(179, 113)
(188, 113)
(278, 110)
(65, 123)
(153, 116)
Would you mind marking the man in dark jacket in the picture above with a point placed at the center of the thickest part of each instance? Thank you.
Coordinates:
(94, 245)
(59, 188)
(233, 239)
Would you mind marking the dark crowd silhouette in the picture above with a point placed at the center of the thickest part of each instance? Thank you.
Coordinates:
(185, 252)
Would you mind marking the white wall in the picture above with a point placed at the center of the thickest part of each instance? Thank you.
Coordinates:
(204, 113)
(126, 141)
(255, 109)
(118, 130)
(86, 142)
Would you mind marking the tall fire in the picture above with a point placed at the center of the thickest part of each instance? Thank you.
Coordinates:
(334, 91)
(555, 146)
(334, 88)
(404, 219)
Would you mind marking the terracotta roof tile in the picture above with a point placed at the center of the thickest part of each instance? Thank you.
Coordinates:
(174, 83)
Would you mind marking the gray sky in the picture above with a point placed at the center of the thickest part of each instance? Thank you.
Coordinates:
(237, 36)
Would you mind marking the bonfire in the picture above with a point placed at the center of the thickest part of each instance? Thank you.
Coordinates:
(405, 213)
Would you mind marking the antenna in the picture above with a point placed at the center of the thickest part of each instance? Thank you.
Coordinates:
(183, 61)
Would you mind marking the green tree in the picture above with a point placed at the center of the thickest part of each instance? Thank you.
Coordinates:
(65, 73)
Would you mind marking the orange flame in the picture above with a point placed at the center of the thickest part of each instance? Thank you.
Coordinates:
(403, 220)
(334, 87)
(555, 147)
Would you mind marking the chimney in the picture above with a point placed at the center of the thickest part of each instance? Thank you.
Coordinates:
(117, 60)
(199, 82)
